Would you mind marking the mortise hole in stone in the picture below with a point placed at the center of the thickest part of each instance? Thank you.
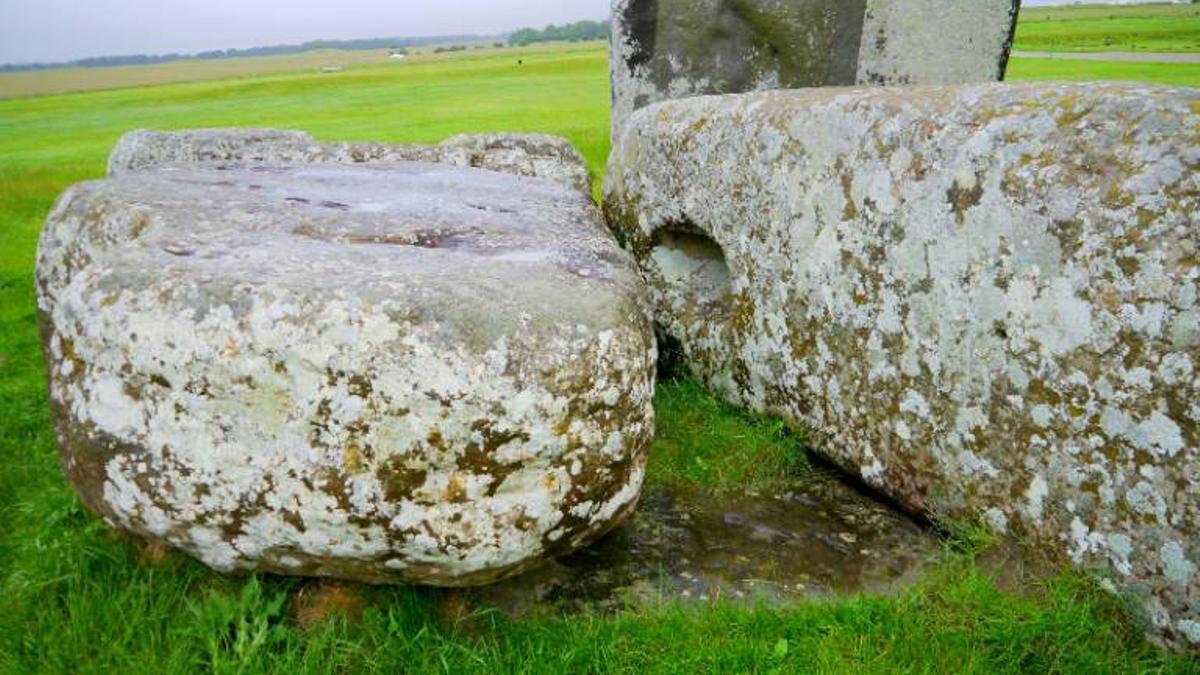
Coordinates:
(693, 265)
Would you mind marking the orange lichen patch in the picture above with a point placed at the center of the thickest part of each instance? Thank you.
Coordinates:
(456, 490)
(1073, 115)
(319, 602)
(353, 457)
(1117, 198)
(140, 222)
(850, 212)
(1109, 297)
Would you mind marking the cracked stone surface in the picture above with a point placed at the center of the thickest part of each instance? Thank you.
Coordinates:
(532, 155)
(983, 298)
(667, 49)
(387, 373)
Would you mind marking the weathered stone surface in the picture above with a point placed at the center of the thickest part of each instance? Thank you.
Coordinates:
(666, 49)
(984, 298)
(404, 372)
(533, 155)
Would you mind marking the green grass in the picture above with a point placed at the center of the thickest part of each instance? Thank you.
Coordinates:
(1109, 28)
(1178, 74)
(109, 614)
(696, 433)
(77, 597)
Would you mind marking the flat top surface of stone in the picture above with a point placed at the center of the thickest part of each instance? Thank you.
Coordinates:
(531, 155)
(455, 241)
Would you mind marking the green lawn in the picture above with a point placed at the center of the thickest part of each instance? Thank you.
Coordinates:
(1177, 74)
(1109, 28)
(77, 597)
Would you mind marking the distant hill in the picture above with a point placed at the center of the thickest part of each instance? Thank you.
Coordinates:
(572, 32)
(142, 59)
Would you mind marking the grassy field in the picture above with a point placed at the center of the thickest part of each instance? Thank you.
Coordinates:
(1177, 74)
(1087, 28)
(77, 597)
(37, 82)
(1109, 28)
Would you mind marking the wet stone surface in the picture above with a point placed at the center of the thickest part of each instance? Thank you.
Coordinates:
(821, 538)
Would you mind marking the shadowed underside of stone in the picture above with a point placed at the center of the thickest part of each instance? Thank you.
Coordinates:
(531, 155)
(984, 298)
(666, 49)
(399, 372)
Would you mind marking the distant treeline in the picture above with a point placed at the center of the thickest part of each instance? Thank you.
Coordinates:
(572, 32)
(141, 59)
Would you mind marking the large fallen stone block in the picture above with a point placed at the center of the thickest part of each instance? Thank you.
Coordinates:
(405, 372)
(532, 155)
(667, 49)
(983, 298)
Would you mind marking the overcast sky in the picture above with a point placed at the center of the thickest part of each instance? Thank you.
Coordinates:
(62, 30)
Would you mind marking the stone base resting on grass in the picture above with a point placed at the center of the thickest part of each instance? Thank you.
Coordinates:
(667, 49)
(532, 155)
(401, 372)
(983, 298)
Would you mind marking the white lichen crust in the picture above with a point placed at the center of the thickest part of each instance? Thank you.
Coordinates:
(532, 155)
(386, 373)
(983, 298)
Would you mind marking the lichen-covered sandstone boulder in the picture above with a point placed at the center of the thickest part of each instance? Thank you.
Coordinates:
(984, 298)
(388, 373)
(532, 155)
(666, 49)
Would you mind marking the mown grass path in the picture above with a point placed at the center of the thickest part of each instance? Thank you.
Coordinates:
(1129, 57)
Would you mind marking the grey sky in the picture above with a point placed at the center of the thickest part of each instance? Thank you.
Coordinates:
(61, 30)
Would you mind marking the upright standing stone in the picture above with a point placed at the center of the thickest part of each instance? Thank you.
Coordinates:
(664, 49)
(984, 299)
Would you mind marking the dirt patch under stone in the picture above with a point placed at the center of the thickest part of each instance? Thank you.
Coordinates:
(320, 602)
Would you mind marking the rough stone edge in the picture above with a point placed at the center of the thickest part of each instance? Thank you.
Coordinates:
(543, 156)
